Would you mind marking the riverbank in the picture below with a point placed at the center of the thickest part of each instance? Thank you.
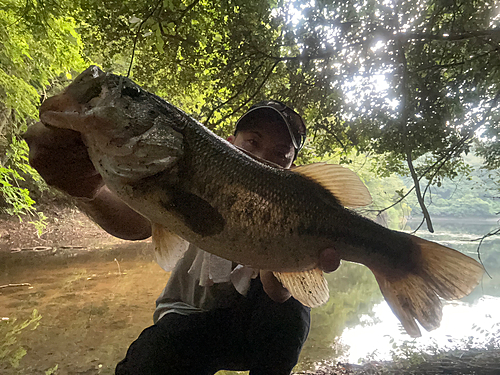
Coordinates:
(66, 226)
(456, 362)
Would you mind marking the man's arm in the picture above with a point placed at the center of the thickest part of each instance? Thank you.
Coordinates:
(61, 158)
(114, 216)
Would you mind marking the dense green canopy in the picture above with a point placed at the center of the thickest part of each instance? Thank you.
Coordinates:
(398, 80)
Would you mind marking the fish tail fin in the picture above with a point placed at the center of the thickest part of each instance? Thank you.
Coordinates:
(441, 272)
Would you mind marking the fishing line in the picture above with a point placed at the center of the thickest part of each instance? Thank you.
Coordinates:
(137, 36)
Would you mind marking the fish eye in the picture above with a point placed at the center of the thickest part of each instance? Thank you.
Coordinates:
(131, 91)
(281, 155)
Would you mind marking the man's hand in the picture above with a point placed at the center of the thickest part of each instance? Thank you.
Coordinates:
(61, 158)
(273, 288)
(329, 261)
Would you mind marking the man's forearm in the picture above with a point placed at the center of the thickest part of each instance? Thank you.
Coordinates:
(115, 217)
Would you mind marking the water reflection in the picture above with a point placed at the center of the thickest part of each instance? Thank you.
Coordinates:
(462, 323)
(353, 293)
(90, 309)
(93, 304)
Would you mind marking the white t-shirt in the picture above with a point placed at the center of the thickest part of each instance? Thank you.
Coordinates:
(202, 281)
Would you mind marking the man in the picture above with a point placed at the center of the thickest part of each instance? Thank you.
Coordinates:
(213, 314)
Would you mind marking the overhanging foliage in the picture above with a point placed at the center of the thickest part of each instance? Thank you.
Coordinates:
(399, 80)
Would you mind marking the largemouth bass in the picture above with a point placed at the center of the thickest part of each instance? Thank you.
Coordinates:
(196, 187)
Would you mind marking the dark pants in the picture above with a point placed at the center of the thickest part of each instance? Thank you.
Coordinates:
(259, 335)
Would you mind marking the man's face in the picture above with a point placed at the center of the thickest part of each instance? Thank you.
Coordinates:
(269, 141)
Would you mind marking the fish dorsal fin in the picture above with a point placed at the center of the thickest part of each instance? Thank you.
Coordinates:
(169, 247)
(343, 183)
(308, 287)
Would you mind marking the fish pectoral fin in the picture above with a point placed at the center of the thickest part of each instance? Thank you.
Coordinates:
(441, 272)
(343, 183)
(198, 214)
(169, 247)
(308, 287)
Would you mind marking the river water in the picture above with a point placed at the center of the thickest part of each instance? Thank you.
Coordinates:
(76, 311)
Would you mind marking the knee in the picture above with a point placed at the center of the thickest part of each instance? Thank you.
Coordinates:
(277, 338)
(148, 354)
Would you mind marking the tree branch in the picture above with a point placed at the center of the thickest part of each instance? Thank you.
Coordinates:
(175, 37)
(332, 133)
(401, 37)
(449, 37)
(14, 285)
(137, 35)
(444, 66)
(251, 96)
(442, 160)
(242, 86)
(187, 9)
(400, 52)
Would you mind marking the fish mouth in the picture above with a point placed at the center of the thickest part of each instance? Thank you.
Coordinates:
(65, 119)
(66, 109)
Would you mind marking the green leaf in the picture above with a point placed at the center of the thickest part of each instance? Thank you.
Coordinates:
(133, 20)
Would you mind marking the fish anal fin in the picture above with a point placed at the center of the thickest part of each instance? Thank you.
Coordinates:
(308, 287)
(343, 183)
(169, 247)
(440, 272)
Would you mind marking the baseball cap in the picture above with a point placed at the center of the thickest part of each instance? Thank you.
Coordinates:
(291, 119)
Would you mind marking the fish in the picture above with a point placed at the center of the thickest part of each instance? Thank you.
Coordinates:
(195, 187)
